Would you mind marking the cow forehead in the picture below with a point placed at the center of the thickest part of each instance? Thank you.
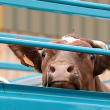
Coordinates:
(80, 43)
(75, 42)
(69, 39)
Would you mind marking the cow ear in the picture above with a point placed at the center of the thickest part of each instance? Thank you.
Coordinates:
(101, 64)
(29, 56)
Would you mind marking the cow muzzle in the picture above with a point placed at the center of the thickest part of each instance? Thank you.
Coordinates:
(62, 75)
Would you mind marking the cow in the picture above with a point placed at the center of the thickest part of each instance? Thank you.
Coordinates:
(65, 69)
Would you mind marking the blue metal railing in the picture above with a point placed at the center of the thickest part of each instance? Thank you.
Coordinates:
(19, 67)
(69, 7)
(15, 66)
(19, 97)
(26, 37)
(26, 97)
(53, 46)
(80, 4)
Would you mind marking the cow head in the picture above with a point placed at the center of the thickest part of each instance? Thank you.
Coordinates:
(65, 69)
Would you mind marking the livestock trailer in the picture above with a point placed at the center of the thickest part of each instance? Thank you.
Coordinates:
(25, 97)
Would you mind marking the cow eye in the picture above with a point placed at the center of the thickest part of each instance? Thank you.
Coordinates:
(43, 54)
(26, 55)
(92, 57)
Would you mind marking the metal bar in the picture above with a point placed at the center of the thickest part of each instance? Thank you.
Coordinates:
(28, 97)
(26, 37)
(41, 39)
(15, 66)
(53, 46)
(80, 4)
(32, 80)
(107, 81)
(61, 8)
(35, 80)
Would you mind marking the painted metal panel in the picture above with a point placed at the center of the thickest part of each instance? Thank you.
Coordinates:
(63, 24)
(50, 24)
(88, 26)
(1, 17)
(103, 26)
(77, 23)
(8, 18)
(97, 1)
(82, 8)
(32, 98)
(32, 80)
(35, 22)
(3, 57)
(21, 20)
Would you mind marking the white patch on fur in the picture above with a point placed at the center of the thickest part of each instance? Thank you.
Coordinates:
(69, 39)
(40, 51)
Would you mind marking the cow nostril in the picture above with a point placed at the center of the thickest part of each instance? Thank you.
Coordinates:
(70, 69)
(52, 69)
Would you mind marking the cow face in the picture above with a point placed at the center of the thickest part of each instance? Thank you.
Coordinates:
(65, 69)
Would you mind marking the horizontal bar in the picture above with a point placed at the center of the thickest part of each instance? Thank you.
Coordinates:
(35, 80)
(24, 81)
(15, 66)
(80, 4)
(53, 46)
(61, 8)
(107, 81)
(41, 39)
(32, 80)
(41, 98)
(26, 37)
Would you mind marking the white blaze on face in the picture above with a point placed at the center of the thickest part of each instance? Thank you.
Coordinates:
(69, 39)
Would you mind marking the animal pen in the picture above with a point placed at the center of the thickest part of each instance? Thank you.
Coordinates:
(22, 97)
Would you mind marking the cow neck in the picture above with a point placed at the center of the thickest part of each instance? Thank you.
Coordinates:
(100, 86)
